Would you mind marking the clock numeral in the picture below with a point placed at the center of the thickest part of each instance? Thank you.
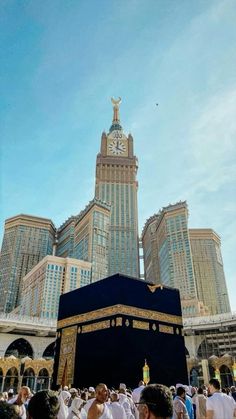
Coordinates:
(117, 135)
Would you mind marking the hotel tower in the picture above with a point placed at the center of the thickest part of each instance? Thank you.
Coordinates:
(116, 184)
(27, 240)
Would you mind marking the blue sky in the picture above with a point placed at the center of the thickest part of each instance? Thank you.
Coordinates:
(61, 61)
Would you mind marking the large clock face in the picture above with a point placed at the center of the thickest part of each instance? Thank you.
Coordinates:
(117, 147)
(117, 144)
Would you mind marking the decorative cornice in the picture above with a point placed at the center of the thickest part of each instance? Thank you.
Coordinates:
(120, 309)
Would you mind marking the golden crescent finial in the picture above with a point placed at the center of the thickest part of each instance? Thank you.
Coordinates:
(116, 102)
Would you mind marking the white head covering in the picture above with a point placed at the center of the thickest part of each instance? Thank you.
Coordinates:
(187, 389)
(179, 385)
(63, 412)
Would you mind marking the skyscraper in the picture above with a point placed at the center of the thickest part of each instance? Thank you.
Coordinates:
(208, 270)
(65, 238)
(27, 239)
(86, 237)
(92, 237)
(167, 252)
(116, 170)
(50, 278)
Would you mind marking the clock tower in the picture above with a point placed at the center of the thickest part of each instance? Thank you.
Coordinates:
(116, 170)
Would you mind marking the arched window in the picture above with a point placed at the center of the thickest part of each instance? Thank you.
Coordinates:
(207, 349)
(194, 380)
(49, 351)
(20, 348)
(43, 380)
(28, 378)
(11, 380)
(225, 376)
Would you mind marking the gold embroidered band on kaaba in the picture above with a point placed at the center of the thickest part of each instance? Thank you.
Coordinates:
(120, 309)
(67, 356)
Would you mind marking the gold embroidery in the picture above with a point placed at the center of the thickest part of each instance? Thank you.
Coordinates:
(96, 326)
(153, 288)
(140, 325)
(119, 321)
(67, 352)
(166, 329)
(120, 309)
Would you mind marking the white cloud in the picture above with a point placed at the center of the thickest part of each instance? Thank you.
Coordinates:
(212, 145)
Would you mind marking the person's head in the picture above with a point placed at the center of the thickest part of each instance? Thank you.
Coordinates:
(114, 396)
(122, 388)
(91, 392)
(200, 390)
(73, 393)
(83, 396)
(101, 393)
(232, 389)
(155, 402)
(214, 385)
(24, 393)
(9, 411)
(44, 404)
(10, 394)
(180, 392)
(172, 389)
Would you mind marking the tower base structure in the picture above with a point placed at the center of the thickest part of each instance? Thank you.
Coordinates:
(107, 330)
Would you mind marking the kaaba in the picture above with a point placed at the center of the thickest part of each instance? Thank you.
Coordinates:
(106, 331)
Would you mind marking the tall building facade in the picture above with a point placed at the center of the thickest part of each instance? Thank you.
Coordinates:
(92, 237)
(50, 278)
(167, 252)
(86, 237)
(27, 239)
(65, 238)
(116, 184)
(209, 271)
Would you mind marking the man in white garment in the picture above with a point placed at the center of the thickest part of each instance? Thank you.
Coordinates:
(126, 403)
(98, 408)
(219, 405)
(76, 402)
(21, 399)
(137, 391)
(118, 412)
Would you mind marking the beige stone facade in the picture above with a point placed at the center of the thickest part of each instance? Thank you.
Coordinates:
(208, 270)
(50, 278)
(166, 250)
(116, 184)
(27, 239)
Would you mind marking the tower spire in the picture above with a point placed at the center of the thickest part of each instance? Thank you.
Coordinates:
(116, 115)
